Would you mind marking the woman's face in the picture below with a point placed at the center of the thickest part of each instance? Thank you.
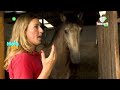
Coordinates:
(34, 32)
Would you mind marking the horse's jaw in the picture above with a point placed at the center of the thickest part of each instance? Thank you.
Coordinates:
(75, 57)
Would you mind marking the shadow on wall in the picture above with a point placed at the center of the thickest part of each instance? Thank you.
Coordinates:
(89, 54)
(88, 67)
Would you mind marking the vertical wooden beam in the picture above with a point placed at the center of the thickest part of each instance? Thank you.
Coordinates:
(2, 72)
(108, 47)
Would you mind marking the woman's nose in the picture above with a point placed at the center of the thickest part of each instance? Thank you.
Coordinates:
(41, 30)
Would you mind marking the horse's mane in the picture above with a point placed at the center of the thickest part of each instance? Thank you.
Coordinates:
(55, 35)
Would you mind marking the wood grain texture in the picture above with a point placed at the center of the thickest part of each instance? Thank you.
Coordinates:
(108, 48)
(2, 72)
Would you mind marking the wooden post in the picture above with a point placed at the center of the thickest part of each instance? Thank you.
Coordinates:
(108, 48)
(2, 72)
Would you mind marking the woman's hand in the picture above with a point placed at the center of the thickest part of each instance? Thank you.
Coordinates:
(48, 63)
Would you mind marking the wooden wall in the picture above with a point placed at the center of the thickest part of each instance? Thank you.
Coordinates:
(2, 73)
(108, 47)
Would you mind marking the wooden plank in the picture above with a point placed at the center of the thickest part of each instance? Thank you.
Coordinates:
(108, 47)
(2, 72)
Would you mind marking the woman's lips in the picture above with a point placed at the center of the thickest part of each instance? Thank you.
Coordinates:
(39, 37)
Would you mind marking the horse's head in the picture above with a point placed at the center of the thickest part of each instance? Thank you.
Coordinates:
(72, 37)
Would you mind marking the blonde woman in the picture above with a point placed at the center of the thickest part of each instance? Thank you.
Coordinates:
(23, 61)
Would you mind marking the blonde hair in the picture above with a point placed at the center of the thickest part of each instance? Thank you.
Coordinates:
(19, 35)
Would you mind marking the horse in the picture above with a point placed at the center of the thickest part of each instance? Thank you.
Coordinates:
(67, 44)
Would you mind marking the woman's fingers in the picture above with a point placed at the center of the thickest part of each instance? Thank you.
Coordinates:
(42, 55)
(52, 53)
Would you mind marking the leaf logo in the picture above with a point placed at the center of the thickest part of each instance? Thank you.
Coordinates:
(102, 19)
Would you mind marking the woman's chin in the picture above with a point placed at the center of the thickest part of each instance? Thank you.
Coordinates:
(39, 42)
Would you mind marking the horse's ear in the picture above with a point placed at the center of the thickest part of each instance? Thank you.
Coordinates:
(63, 18)
(80, 16)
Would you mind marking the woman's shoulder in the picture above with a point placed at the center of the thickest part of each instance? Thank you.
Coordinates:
(21, 60)
(26, 55)
(23, 56)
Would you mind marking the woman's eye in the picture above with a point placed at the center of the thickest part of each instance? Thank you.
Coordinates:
(36, 26)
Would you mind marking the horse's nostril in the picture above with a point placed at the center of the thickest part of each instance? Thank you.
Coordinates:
(75, 59)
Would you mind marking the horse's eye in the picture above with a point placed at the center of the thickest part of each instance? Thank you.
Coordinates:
(66, 32)
(81, 31)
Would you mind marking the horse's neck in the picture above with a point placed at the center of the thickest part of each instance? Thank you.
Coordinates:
(61, 49)
(60, 43)
(61, 68)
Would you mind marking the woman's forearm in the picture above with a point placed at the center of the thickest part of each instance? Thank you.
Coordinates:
(43, 75)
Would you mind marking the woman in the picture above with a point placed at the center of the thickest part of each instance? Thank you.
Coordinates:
(23, 61)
